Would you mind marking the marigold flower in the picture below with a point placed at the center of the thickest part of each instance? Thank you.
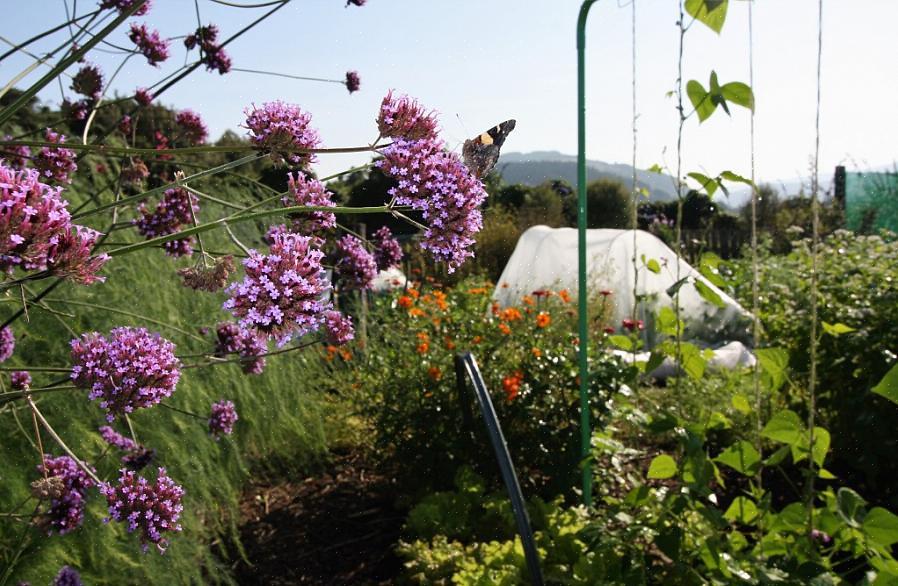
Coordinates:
(353, 83)
(511, 314)
(414, 293)
(338, 328)
(280, 128)
(512, 385)
(543, 319)
(435, 373)
(405, 301)
(67, 507)
(149, 43)
(564, 295)
(504, 329)
(55, 163)
(527, 300)
(356, 266)
(477, 291)
(7, 343)
(476, 339)
(151, 509)
(222, 418)
(387, 251)
(416, 312)
(450, 345)
(402, 117)
(345, 354)
(422, 348)
(537, 353)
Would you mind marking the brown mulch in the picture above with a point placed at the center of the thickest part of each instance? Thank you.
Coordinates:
(336, 527)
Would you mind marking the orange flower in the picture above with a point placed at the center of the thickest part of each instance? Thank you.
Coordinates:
(542, 320)
(505, 285)
(437, 321)
(527, 300)
(435, 373)
(478, 291)
(416, 312)
(450, 345)
(439, 298)
(414, 293)
(477, 339)
(423, 347)
(494, 307)
(405, 301)
(564, 295)
(423, 336)
(512, 314)
(345, 354)
(536, 352)
(331, 352)
(504, 329)
(512, 385)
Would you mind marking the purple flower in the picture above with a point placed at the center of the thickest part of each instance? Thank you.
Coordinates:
(278, 127)
(138, 459)
(70, 256)
(151, 509)
(15, 156)
(280, 295)
(125, 125)
(338, 328)
(213, 54)
(193, 130)
(136, 172)
(75, 111)
(355, 265)
(204, 36)
(7, 343)
(66, 508)
(387, 251)
(356, 2)
(403, 117)
(143, 96)
(20, 380)
(129, 369)
(67, 576)
(171, 213)
(438, 184)
(353, 83)
(149, 43)
(88, 82)
(217, 60)
(56, 162)
(222, 418)
(306, 191)
(117, 440)
(123, 5)
(232, 339)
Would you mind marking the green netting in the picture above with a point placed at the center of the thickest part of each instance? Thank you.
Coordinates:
(871, 201)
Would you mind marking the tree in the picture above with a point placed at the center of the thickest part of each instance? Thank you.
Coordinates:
(608, 205)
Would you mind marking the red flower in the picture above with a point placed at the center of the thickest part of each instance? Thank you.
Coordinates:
(632, 325)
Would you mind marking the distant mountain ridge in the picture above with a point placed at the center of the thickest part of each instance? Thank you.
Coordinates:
(536, 167)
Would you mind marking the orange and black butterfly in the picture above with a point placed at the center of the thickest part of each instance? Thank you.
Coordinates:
(481, 153)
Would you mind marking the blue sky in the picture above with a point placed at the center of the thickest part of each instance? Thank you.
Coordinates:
(480, 62)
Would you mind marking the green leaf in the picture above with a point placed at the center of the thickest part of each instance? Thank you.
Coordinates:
(888, 386)
(653, 266)
(730, 176)
(741, 457)
(708, 184)
(622, 342)
(742, 510)
(822, 441)
(739, 93)
(773, 366)
(693, 361)
(656, 168)
(778, 456)
(850, 506)
(709, 267)
(711, 13)
(655, 360)
(667, 321)
(701, 100)
(662, 467)
(740, 403)
(881, 526)
(708, 294)
(785, 427)
(675, 288)
(825, 474)
(837, 329)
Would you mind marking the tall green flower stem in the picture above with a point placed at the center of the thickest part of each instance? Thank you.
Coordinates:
(49, 429)
(136, 316)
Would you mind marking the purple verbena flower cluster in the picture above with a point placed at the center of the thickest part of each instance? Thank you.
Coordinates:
(136, 456)
(278, 128)
(15, 156)
(152, 509)
(75, 111)
(387, 251)
(55, 163)
(129, 369)
(232, 339)
(117, 440)
(338, 328)
(20, 380)
(355, 265)
(7, 343)
(213, 55)
(149, 43)
(353, 82)
(70, 256)
(306, 191)
(171, 213)
(143, 96)
(356, 2)
(193, 129)
(280, 295)
(437, 183)
(123, 5)
(222, 418)
(67, 576)
(136, 172)
(67, 508)
(88, 82)
(403, 117)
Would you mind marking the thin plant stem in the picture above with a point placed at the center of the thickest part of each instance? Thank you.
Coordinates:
(49, 429)
(287, 75)
(182, 411)
(246, 358)
(136, 316)
(46, 33)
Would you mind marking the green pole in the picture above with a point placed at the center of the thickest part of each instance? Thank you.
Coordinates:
(585, 429)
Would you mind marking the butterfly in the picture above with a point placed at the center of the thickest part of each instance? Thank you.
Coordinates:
(481, 153)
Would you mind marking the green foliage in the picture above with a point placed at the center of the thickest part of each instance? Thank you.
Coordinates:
(608, 205)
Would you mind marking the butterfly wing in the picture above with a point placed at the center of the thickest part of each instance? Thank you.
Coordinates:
(481, 153)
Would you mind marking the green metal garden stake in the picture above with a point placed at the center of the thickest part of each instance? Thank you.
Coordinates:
(585, 428)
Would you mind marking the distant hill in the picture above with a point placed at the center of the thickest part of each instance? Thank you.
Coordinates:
(534, 168)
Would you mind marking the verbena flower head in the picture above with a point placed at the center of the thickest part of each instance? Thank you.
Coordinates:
(123, 5)
(217, 60)
(232, 339)
(356, 2)
(32, 215)
(70, 256)
(7, 343)
(403, 117)
(149, 43)
(67, 576)
(338, 328)
(193, 130)
(222, 418)
(55, 163)
(129, 369)
(117, 440)
(205, 36)
(75, 111)
(353, 82)
(280, 295)
(20, 380)
(138, 459)
(210, 279)
(67, 507)
(88, 82)
(355, 265)
(436, 183)
(214, 56)
(277, 127)
(135, 173)
(171, 213)
(306, 191)
(151, 509)
(143, 96)
(387, 251)
(14, 156)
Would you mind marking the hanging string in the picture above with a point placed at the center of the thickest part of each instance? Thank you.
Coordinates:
(634, 222)
(815, 249)
(679, 183)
